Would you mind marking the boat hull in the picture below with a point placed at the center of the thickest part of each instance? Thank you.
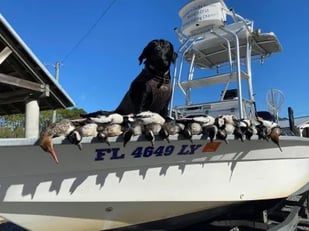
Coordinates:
(104, 187)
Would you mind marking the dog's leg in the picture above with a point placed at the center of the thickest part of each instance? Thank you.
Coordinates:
(164, 112)
(142, 97)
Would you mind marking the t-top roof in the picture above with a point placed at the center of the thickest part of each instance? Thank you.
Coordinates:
(23, 77)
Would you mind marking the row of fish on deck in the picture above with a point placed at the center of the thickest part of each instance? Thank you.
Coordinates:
(152, 125)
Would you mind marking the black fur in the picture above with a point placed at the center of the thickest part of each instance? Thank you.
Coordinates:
(151, 89)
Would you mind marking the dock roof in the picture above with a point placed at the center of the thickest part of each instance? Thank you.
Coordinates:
(23, 77)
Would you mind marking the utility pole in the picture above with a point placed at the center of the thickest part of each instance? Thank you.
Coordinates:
(57, 67)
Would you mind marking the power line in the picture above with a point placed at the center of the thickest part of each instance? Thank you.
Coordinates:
(89, 31)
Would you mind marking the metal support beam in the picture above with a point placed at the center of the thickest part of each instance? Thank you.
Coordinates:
(236, 39)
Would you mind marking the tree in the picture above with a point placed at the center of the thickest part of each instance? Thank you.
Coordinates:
(13, 126)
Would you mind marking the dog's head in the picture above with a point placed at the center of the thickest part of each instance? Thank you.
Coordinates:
(158, 55)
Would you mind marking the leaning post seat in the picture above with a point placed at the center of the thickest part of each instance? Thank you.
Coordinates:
(200, 15)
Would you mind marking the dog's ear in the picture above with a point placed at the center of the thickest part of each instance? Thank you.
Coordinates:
(144, 54)
(147, 51)
(174, 57)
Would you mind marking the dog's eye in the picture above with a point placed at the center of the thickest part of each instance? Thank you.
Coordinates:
(158, 48)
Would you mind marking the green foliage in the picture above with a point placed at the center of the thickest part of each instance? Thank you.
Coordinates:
(5, 132)
(13, 126)
(73, 113)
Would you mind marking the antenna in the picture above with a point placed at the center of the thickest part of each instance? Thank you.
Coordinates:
(275, 100)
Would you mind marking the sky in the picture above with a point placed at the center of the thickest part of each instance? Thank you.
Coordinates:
(98, 43)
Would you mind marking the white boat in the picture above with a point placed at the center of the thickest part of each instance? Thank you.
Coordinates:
(142, 186)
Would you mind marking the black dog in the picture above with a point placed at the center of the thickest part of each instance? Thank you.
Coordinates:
(151, 90)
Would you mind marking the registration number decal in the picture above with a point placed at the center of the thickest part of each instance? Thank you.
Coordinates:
(146, 152)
